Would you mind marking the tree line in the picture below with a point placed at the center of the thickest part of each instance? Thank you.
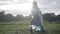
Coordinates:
(9, 17)
(50, 17)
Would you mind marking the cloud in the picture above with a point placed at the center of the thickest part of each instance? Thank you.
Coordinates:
(46, 5)
(49, 6)
(49, 3)
(3, 2)
(44, 2)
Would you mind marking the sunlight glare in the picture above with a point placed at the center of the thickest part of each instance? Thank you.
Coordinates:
(31, 0)
(23, 8)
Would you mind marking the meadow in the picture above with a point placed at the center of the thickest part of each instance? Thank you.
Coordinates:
(22, 27)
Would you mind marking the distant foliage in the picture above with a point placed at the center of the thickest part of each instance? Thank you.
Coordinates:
(58, 18)
(2, 16)
(9, 17)
(51, 17)
(18, 18)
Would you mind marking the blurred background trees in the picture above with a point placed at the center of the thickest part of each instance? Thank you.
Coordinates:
(9, 17)
(1, 16)
(49, 17)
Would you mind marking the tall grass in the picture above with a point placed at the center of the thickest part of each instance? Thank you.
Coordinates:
(22, 27)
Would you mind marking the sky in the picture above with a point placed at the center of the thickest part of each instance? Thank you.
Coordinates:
(24, 6)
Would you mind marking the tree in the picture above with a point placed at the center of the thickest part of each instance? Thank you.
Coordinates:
(18, 18)
(9, 17)
(46, 16)
(51, 17)
(2, 16)
(58, 18)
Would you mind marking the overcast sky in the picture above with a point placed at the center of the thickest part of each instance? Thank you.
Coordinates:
(24, 6)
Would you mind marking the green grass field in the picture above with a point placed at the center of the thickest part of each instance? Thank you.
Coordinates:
(22, 27)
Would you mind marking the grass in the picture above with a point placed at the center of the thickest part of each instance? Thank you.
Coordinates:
(52, 28)
(22, 27)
